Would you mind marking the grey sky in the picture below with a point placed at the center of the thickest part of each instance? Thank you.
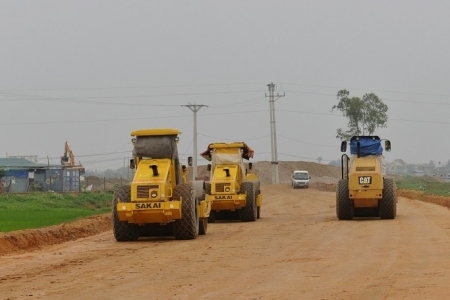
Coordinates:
(90, 72)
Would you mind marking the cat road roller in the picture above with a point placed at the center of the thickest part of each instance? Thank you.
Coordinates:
(364, 191)
(159, 201)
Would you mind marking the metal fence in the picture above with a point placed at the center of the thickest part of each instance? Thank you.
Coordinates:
(58, 181)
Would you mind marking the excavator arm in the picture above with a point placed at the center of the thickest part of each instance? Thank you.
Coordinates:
(68, 157)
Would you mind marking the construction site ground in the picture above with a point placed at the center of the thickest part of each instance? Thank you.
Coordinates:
(297, 250)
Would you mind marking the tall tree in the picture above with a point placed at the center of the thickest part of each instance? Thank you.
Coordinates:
(364, 114)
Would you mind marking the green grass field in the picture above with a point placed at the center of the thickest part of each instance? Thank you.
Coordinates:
(35, 210)
(428, 185)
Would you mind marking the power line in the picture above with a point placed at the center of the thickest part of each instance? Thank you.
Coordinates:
(123, 119)
(371, 89)
(84, 99)
(234, 140)
(88, 121)
(132, 87)
(245, 103)
(306, 158)
(217, 84)
(384, 99)
(89, 155)
(204, 115)
(303, 142)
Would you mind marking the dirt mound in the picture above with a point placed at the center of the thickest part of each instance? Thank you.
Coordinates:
(263, 169)
(421, 196)
(32, 239)
(323, 186)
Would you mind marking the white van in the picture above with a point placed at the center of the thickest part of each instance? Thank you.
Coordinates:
(300, 179)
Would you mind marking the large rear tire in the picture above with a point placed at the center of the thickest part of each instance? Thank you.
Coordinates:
(388, 204)
(258, 209)
(207, 188)
(344, 206)
(249, 213)
(203, 228)
(123, 231)
(203, 222)
(212, 215)
(187, 227)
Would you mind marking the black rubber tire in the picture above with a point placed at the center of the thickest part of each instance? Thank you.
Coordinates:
(388, 204)
(344, 205)
(123, 231)
(187, 227)
(203, 228)
(212, 215)
(258, 209)
(250, 211)
(207, 188)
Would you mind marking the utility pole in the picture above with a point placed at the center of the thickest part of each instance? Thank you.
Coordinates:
(273, 133)
(195, 108)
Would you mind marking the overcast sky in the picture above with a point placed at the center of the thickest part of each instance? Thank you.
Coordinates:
(90, 72)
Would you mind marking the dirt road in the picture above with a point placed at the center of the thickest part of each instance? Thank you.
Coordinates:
(297, 250)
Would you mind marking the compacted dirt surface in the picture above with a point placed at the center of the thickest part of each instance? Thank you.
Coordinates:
(297, 250)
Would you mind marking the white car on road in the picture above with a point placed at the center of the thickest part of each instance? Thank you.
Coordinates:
(300, 179)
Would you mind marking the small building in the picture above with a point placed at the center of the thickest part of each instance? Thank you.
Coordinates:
(398, 166)
(22, 175)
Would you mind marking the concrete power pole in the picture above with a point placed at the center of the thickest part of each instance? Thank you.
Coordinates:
(195, 108)
(273, 132)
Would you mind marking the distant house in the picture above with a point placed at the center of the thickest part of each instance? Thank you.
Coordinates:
(22, 175)
(398, 166)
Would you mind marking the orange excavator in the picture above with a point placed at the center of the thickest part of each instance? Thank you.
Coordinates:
(68, 159)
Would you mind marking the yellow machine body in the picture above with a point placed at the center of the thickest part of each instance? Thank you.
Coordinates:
(365, 181)
(364, 190)
(227, 176)
(228, 173)
(151, 195)
(152, 188)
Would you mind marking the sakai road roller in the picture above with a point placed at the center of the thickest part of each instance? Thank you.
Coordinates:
(233, 192)
(159, 201)
(364, 191)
